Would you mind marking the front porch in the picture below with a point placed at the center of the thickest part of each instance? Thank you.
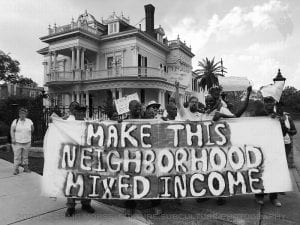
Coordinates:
(95, 100)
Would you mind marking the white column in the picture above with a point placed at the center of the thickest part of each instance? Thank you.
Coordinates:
(87, 100)
(72, 97)
(163, 103)
(78, 58)
(120, 92)
(73, 59)
(78, 97)
(50, 62)
(98, 62)
(160, 96)
(82, 59)
(55, 61)
(68, 99)
(114, 93)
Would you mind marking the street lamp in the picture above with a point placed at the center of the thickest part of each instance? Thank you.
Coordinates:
(279, 77)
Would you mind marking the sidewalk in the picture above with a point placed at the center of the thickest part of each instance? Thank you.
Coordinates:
(21, 203)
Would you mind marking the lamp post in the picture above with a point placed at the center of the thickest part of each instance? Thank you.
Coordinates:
(279, 77)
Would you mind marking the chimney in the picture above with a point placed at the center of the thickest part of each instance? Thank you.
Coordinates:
(149, 10)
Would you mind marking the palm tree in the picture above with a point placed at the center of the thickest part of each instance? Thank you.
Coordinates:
(209, 72)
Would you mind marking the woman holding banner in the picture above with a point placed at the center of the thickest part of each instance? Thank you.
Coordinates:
(269, 105)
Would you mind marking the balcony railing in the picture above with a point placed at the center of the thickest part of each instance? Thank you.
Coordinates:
(71, 27)
(106, 74)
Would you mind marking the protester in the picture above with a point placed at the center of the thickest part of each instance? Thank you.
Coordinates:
(77, 112)
(135, 112)
(268, 110)
(172, 103)
(21, 131)
(152, 110)
(151, 113)
(171, 114)
(215, 109)
(289, 130)
(191, 112)
(216, 93)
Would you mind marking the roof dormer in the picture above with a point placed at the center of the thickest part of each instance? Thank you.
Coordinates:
(115, 23)
(160, 33)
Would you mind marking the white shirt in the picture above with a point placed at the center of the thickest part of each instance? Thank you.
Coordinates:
(287, 138)
(191, 116)
(177, 118)
(22, 130)
(71, 117)
(223, 110)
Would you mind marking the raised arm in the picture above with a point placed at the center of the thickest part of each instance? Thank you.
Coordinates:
(179, 105)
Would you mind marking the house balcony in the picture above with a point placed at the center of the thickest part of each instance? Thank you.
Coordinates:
(61, 77)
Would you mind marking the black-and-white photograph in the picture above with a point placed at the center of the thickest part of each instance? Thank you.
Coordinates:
(148, 112)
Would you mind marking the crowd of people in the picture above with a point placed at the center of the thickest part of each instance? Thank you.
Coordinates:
(215, 108)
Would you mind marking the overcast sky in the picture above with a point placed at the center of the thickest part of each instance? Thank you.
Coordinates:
(254, 37)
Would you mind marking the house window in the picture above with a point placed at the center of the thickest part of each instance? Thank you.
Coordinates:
(142, 63)
(142, 95)
(110, 62)
(113, 28)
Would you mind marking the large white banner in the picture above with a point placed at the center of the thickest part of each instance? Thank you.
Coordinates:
(145, 159)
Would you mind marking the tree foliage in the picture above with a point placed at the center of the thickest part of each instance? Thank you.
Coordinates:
(209, 72)
(9, 71)
(9, 68)
(291, 99)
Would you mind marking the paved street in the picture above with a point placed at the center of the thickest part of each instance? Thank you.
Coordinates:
(21, 203)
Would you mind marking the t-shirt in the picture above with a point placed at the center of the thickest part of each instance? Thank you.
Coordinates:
(223, 110)
(191, 116)
(71, 117)
(22, 130)
(177, 118)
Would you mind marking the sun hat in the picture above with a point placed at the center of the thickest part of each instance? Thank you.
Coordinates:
(153, 104)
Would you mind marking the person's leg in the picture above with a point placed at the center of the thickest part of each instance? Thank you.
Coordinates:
(274, 199)
(17, 157)
(25, 162)
(287, 153)
(70, 207)
(259, 199)
(130, 206)
(86, 205)
(156, 204)
(292, 156)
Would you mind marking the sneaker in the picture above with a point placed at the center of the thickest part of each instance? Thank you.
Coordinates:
(70, 212)
(16, 171)
(129, 212)
(276, 202)
(221, 201)
(26, 169)
(88, 208)
(259, 200)
(157, 211)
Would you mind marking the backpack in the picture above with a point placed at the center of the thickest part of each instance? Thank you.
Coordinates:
(8, 135)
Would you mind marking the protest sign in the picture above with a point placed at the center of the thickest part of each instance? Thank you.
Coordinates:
(122, 104)
(145, 159)
(234, 83)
